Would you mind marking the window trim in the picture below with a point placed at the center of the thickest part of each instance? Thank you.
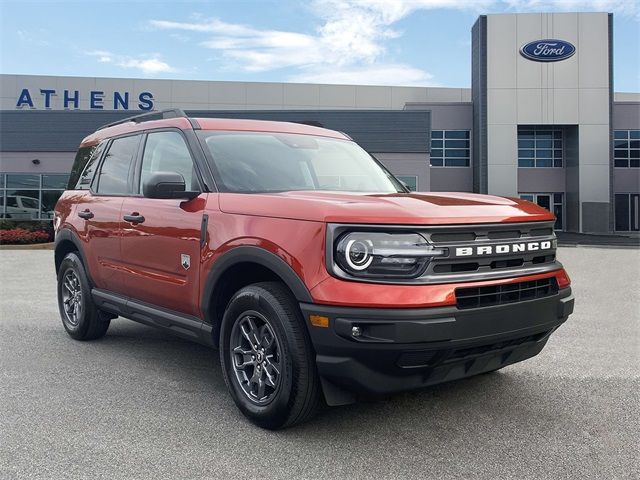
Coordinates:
(444, 158)
(39, 189)
(628, 148)
(140, 158)
(534, 128)
(96, 177)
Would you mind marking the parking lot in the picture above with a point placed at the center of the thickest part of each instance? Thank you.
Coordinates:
(142, 404)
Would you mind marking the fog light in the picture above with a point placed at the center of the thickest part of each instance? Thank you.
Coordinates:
(356, 331)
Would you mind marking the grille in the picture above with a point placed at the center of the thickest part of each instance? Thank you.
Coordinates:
(449, 268)
(475, 297)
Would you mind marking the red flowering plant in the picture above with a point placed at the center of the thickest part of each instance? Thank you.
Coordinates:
(21, 236)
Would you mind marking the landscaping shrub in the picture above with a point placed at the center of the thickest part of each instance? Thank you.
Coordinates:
(9, 225)
(21, 236)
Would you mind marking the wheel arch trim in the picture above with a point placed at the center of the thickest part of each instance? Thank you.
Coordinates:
(260, 256)
(66, 235)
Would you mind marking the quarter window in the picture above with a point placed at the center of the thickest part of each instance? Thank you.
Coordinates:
(539, 147)
(168, 152)
(626, 148)
(450, 148)
(114, 173)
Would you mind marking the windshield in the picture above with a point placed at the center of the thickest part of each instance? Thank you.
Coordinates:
(275, 162)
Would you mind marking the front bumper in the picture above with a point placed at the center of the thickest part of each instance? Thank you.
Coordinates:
(404, 349)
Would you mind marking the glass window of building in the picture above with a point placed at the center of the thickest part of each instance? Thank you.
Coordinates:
(30, 196)
(450, 148)
(626, 148)
(554, 202)
(410, 181)
(627, 212)
(539, 147)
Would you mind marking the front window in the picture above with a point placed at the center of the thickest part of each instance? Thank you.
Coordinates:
(626, 148)
(274, 162)
(539, 147)
(450, 148)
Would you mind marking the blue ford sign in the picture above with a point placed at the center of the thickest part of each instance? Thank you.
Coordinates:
(547, 50)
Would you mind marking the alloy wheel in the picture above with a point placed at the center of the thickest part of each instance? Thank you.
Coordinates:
(256, 357)
(72, 298)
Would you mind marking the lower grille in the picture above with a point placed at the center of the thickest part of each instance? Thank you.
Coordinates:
(476, 351)
(474, 297)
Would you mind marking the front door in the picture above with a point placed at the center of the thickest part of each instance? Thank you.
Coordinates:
(161, 245)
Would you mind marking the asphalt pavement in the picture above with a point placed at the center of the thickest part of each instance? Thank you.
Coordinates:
(142, 404)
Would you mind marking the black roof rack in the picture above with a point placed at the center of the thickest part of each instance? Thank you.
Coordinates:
(147, 117)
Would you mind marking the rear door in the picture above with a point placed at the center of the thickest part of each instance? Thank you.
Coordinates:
(162, 251)
(99, 211)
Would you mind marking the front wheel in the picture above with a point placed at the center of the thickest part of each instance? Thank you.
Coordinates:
(80, 317)
(267, 358)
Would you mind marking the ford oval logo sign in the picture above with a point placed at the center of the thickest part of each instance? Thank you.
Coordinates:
(547, 50)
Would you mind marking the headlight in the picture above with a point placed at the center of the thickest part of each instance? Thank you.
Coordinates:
(378, 254)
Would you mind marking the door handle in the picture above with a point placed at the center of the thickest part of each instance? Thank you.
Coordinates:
(134, 218)
(86, 214)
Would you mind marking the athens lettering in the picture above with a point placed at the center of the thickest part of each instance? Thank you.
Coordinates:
(547, 50)
(52, 99)
(503, 249)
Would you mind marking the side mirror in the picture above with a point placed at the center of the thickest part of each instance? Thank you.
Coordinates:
(166, 185)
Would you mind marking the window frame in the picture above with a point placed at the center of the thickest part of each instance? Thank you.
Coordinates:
(140, 158)
(94, 186)
(627, 149)
(39, 189)
(629, 196)
(444, 148)
(535, 148)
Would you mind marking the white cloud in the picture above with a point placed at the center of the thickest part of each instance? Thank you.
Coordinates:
(621, 7)
(36, 38)
(151, 64)
(376, 74)
(349, 44)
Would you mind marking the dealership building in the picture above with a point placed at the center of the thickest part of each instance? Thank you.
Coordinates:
(541, 121)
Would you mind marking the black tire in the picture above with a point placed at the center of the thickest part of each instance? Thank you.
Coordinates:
(87, 322)
(296, 394)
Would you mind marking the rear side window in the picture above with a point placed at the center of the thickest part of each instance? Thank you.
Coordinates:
(113, 178)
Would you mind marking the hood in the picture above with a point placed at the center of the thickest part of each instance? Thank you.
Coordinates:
(396, 208)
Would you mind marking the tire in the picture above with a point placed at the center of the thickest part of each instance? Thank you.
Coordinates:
(80, 317)
(289, 397)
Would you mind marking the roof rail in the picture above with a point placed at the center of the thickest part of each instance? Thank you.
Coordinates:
(147, 117)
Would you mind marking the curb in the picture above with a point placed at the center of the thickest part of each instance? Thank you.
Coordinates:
(34, 246)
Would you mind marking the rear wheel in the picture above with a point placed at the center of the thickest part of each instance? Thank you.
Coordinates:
(80, 317)
(267, 358)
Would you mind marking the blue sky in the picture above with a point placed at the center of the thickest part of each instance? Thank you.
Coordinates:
(387, 42)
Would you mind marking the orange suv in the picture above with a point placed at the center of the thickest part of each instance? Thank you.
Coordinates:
(316, 273)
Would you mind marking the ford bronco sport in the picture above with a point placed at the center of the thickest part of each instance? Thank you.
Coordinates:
(315, 272)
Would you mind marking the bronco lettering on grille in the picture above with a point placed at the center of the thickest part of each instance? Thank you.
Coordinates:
(503, 249)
